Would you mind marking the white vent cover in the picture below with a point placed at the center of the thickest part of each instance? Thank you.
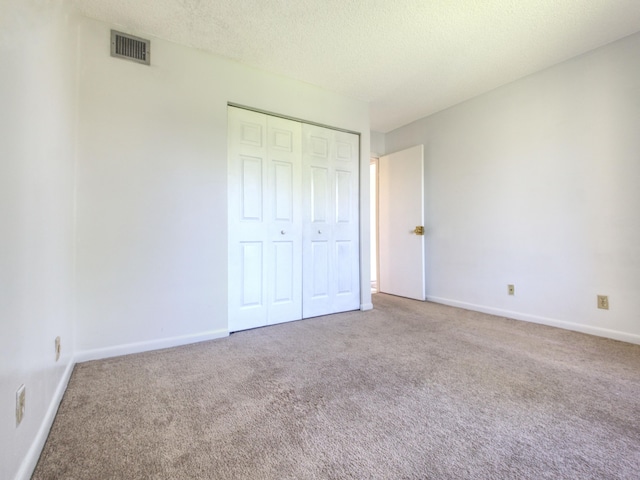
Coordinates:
(130, 47)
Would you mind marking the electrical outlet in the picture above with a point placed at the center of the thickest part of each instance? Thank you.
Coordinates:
(57, 348)
(603, 302)
(511, 289)
(20, 402)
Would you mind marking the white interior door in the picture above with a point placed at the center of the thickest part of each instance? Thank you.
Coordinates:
(330, 179)
(265, 225)
(400, 211)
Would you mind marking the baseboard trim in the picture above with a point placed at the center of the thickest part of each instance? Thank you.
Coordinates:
(30, 460)
(366, 306)
(139, 347)
(552, 322)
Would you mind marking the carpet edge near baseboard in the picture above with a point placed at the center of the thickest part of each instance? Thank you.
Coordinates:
(139, 347)
(551, 322)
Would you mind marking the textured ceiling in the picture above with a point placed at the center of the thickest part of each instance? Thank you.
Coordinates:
(407, 58)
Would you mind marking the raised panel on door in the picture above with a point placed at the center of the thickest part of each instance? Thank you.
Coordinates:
(344, 257)
(344, 196)
(319, 278)
(284, 290)
(251, 184)
(282, 192)
(330, 240)
(252, 266)
(251, 130)
(320, 198)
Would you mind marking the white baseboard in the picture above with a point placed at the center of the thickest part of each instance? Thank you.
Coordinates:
(576, 327)
(116, 351)
(33, 455)
(366, 306)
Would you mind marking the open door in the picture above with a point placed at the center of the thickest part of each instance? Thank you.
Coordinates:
(401, 223)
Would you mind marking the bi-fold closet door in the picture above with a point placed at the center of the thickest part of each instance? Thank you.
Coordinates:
(293, 220)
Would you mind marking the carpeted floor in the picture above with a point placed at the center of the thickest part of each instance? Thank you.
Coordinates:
(410, 390)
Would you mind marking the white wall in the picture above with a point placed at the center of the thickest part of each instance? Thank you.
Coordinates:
(152, 198)
(537, 184)
(37, 155)
(377, 144)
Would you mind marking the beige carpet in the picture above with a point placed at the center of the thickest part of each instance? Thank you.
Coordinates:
(410, 390)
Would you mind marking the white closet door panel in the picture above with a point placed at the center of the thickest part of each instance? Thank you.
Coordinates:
(265, 222)
(319, 280)
(320, 198)
(347, 228)
(283, 256)
(283, 280)
(319, 144)
(252, 181)
(283, 192)
(330, 241)
(344, 256)
(251, 254)
(344, 196)
(282, 133)
(318, 216)
(248, 236)
(251, 131)
(249, 308)
(284, 147)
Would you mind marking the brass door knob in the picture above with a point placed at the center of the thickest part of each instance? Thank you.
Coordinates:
(419, 230)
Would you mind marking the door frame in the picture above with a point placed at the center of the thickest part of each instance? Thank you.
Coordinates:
(375, 231)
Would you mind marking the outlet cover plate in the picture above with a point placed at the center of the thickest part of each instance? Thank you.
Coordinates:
(511, 289)
(603, 302)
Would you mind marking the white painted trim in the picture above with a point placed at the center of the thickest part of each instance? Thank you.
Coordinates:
(140, 347)
(366, 306)
(576, 327)
(375, 206)
(30, 460)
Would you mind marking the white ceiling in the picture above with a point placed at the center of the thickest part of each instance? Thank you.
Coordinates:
(407, 58)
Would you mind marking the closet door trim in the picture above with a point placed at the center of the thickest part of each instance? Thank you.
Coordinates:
(293, 119)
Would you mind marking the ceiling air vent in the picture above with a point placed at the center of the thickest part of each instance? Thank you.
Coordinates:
(130, 47)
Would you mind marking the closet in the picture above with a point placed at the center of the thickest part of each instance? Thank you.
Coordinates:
(293, 220)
